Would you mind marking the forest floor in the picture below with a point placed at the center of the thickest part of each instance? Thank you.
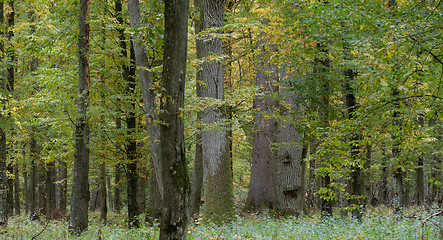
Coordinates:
(377, 223)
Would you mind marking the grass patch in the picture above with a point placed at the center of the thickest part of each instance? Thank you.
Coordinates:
(376, 224)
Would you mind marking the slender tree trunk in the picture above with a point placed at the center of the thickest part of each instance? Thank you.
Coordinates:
(103, 192)
(33, 188)
(147, 85)
(131, 149)
(63, 184)
(117, 176)
(26, 188)
(50, 189)
(110, 197)
(197, 177)
(153, 211)
(173, 224)
(398, 197)
(10, 75)
(80, 187)
(16, 190)
(3, 169)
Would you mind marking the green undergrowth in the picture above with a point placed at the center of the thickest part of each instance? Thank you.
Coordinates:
(376, 224)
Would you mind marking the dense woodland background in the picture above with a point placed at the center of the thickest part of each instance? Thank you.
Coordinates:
(293, 106)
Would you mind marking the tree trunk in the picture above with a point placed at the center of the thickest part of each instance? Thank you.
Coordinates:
(197, 177)
(147, 85)
(3, 170)
(41, 190)
(117, 176)
(103, 192)
(141, 193)
(33, 188)
(26, 188)
(173, 224)
(50, 189)
(217, 177)
(153, 211)
(131, 148)
(398, 193)
(80, 186)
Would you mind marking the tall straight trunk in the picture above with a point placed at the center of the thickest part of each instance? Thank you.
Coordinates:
(147, 86)
(50, 189)
(80, 186)
(117, 176)
(41, 190)
(117, 202)
(173, 223)
(26, 188)
(131, 148)
(33, 185)
(3, 169)
(153, 210)
(103, 192)
(63, 184)
(197, 178)
(217, 176)
(262, 186)
(10, 78)
(110, 197)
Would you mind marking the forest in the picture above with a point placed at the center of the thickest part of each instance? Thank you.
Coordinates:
(221, 119)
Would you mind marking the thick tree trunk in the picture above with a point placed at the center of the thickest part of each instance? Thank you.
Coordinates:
(173, 224)
(262, 188)
(217, 176)
(80, 187)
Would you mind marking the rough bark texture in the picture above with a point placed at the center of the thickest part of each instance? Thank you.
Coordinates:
(173, 223)
(153, 211)
(262, 188)
(147, 87)
(80, 187)
(141, 192)
(197, 179)
(131, 149)
(217, 177)
(290, 172)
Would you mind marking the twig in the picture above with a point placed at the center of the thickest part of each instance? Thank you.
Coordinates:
(429, 219)
(46, 225)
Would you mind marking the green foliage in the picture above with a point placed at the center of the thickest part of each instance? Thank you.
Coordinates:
(378, 224)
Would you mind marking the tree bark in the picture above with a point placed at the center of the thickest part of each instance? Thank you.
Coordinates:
(50, 189)
(147, 85)
(197, 178)
(131, 148)
(173, 224)
(117, 176)
(103, 192)
(80, 187)
(217, 176)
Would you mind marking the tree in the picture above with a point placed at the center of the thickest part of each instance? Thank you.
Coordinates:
(80, 187)
(173, 224)
(3, 169)
(218, 185)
